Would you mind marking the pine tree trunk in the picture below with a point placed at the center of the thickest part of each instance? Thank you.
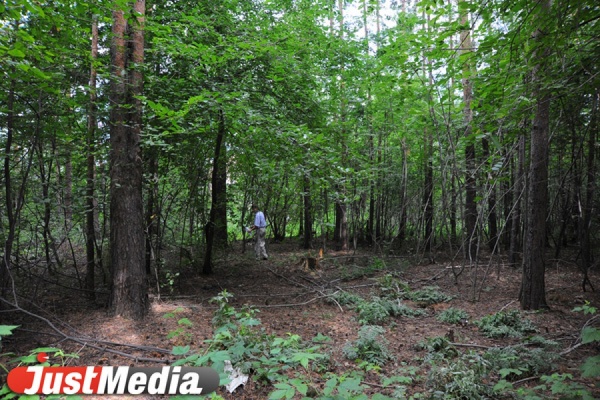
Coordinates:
(129, 297)
(533, 289)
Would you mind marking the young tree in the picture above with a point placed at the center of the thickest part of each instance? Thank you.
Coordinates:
(470, 178)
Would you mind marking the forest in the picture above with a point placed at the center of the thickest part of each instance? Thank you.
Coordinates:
(420, 163)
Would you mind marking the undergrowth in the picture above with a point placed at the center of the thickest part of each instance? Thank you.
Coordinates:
(292, 367)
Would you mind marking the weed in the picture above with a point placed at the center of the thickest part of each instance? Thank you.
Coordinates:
(505, 324)
(344, 298)
(463, 378)
(378, 311)
(393, 288)
(521, 361)
(428, 295)
(453, 316)
(371, 346)
(438, 347)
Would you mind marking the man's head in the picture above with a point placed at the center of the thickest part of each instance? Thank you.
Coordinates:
(254, 208)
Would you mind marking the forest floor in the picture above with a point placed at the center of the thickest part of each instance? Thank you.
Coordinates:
(294, 300)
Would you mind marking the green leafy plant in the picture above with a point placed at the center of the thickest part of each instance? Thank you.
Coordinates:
(453, 316)
(428, 295)
(379, 310)
(438, 347)
(522, 360)
(590, 334)
(393, 288)
(462, 378)
(371, 346)
(344, 298)
(505, 324)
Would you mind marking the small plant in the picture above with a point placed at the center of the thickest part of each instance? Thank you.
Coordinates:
(463, 378)
(371, 346)
(374, 312)
(377, 265)
(378, 311)
(170, 280)
(344, 298)
(453, 316)
(438, 347)
(428, 295)
(505, 324)
(590, 334)
(393, 288)
(522, 361)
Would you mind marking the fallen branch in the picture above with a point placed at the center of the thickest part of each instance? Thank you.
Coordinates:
(90, 342)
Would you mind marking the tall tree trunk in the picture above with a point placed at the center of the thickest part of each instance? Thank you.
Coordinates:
(214, 227)
(129, 297)
(5, 264)
(341, 208)
(533, 288)
(588, 207)
(90, 222)
(470, 178)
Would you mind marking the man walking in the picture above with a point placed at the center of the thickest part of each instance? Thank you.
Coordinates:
(260, 226)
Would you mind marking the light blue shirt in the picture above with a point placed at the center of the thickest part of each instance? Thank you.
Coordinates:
(259, 220)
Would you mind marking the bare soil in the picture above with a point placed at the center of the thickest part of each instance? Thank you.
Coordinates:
(292, 299)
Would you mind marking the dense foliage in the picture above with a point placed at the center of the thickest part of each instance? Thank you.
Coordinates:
(342, 120)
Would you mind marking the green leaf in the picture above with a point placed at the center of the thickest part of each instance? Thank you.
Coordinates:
(16, 53)
(47, 350)
(590, 334)
(180, 350)
(6, 330)
(591, 367)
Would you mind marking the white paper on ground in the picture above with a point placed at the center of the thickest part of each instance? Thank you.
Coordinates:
(236, 376)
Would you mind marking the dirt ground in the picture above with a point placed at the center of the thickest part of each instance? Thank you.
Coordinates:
(292, 299)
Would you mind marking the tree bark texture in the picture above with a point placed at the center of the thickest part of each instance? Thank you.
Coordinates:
(533, 291)
(129, 296)
(216, 228)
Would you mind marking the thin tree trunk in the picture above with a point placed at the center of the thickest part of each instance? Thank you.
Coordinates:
(5, 266)
(518, 189)
(90, 222)
(308, 222)
(470, 178)
(588, 207)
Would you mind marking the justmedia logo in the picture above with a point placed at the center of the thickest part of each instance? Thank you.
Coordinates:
(112, 380)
